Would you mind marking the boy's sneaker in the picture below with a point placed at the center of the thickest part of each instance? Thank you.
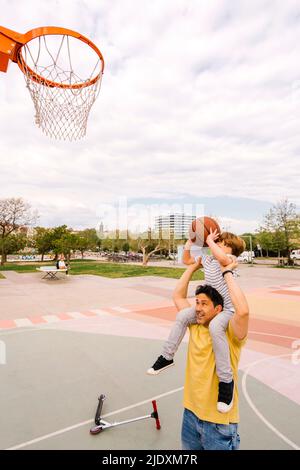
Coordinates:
(225, 397)
(161, 364)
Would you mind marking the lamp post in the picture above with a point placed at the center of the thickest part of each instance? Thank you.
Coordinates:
(250, 238)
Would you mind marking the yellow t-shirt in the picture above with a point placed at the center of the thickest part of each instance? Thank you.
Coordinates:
(201, 380)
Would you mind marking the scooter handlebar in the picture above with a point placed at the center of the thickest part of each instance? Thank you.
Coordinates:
(155, 415)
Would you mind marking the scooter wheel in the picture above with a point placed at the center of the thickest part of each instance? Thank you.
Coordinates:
(96, 430)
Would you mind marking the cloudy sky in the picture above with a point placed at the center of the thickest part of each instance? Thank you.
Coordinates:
(200, 104)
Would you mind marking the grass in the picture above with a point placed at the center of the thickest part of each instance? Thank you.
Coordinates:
(112, 270)
(287, 267)
(20, 268)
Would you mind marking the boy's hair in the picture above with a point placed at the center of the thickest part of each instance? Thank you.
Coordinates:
(234, 242)
(211, 293)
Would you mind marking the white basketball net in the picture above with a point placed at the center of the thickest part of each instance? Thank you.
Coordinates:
(61, 113)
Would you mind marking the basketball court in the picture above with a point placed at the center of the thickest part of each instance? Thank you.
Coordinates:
(62, 354)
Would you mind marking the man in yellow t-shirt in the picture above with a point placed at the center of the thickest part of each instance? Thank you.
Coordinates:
(203, 427)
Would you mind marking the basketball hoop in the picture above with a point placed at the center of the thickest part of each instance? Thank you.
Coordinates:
(62, 71)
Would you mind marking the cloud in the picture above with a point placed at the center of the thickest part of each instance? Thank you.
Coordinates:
(198, 99)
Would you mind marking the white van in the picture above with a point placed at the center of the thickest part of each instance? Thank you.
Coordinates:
(295, 254)
(246, 256)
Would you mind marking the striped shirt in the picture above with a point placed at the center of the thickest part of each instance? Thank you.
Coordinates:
(213, 277)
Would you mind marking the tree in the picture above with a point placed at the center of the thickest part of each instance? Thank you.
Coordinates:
(278, 242)
(145, 246)
(265, 240)
(126, 247)
(43, 240)
(58, 233)
(15, 214)
(148, 246)
(66, 244)
(250, 240)
(284, 221)
(107, 244)
(13, 243)
(82, 244)
(87, 240)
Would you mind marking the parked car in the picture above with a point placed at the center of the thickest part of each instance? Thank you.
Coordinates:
(295, 254)
(245, 257)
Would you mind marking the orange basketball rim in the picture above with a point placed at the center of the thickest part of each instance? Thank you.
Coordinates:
(11, 44)
(63, 71)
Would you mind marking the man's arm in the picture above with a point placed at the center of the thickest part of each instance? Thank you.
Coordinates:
(240, 319)
(180, 292)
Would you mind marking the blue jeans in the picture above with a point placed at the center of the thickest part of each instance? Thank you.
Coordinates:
(203, 435)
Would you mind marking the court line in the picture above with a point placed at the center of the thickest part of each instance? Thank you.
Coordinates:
(27, 330)
(256, 411)
(84, 423)
(46, 326)
(272, 334)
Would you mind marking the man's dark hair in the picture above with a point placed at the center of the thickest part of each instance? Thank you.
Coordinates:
(211, 293)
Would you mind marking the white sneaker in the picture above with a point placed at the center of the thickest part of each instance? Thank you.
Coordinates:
(161, 364)
(225, 397)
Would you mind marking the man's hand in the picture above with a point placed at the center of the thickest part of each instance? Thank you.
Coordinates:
(188, 245)
(212, 237)
(186, 257)
(195, 266)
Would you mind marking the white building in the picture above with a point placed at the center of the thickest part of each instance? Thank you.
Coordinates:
(176, 225)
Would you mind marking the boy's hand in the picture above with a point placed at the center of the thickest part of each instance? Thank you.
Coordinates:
(212, 237)
(230, 266)
(232, 257)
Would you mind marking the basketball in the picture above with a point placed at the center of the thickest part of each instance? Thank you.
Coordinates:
(200, 229)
